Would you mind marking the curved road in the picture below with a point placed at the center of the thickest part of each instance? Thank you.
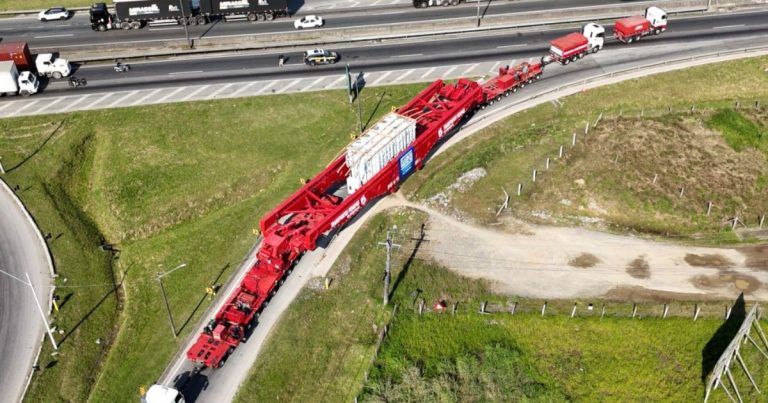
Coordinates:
(21, 329)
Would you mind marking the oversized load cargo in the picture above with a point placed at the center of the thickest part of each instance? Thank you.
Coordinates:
(377, 146)
(18, 53)
(224, 7)
(144, 10)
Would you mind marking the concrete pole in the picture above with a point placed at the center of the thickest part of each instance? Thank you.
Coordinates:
(2, 170)
(42, 314)
(184, 23)
(388, 268)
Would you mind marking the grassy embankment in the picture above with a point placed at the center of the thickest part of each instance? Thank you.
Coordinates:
(167, 184)
(608, 177)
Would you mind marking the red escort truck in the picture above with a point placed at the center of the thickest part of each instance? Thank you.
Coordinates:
(631, 29)
(576, 45)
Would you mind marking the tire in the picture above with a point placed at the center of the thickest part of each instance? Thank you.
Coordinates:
(136, 25)
(57, 75)
(454, 2)
(445, 3)
(514, 89)
(423, 4)
(630, 40)
(565, 61)
(656, 31)
(581, 55)
(270, 16)
(251, 17)
(538, 77)
(62, 18)
(101, 28)
(498, 98)
(201, 20)
(522, 85)
(24, 93)
(83, 82)
(506, 93)
(125, 25)
(261, 17)
(192, 21)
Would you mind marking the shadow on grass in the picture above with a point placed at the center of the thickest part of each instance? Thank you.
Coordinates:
(719, 342)
(114, 289)
(401, 275)
(373, 112)
(202, 299)
(38, 149)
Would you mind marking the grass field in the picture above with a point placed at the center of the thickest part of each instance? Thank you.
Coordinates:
(168, 184)
(607, 178)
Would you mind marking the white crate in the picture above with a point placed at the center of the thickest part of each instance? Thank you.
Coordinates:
(377, 146)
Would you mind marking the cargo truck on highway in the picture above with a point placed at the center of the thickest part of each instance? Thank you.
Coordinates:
(432, 3)
(13, 82)
(44, 64)
(134, 14)
(631, 29)
(575, 45)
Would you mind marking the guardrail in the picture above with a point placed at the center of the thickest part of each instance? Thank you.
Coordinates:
(346, 36)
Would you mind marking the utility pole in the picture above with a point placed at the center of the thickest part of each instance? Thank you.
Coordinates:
(2, 170)
(359, 111)
(42, 314)
(165, 298)
(349, 82)
(478, 13)
(184, 22)
(387, 269)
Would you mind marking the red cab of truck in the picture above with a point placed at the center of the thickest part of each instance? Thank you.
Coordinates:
(18, 53)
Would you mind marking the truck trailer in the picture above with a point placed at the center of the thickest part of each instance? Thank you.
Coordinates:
(432, 3)
(134, 14)
(631, 29)
(13, 82)
(44, 64)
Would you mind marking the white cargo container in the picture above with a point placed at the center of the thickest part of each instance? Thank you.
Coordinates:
(376, 147)
(12, 82)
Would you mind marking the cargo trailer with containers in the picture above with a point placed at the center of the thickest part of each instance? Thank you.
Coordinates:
(18, 53)
(631, 29)
(13, 82)
(252, 10)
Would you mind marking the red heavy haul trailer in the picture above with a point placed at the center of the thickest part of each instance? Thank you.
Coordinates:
(510, 79)
(631, 29)
(372, 166)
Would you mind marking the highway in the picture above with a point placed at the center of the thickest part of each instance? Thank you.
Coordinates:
(21, 328)
(690, 37)
(77, 32)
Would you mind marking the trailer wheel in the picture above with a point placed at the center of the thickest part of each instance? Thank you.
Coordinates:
(101, 27)
(498, 98)
(630, 40)
(136, 24)
(270, 16)
(565, 61)
(125, 25)
(251, 17)
(522, 84)
(261, 17)
(454, 2)
(201, 20)
(506, 93)
(514, 89)
(191, 20)
(581, 55)
(538, 77)
(423, 4)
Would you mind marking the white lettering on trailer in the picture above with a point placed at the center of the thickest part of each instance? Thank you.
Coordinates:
(351, 210)
(153, 9)
(451, 123)
(227, 5)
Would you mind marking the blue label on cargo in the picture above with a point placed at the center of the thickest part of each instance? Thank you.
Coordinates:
(406, 163)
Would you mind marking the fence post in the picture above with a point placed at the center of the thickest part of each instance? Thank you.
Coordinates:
(534, 175)
(586, 128)
(727, 311)
(573, 311)
(453, 311)
(547, 164)
(514, 307)
(603, 312)
(543, 308)
(560, 154)
(655, 176)
(634, 310)
(709, 207)
(757, 104)
(519, 189)
(482, 306)
(735, 221)
(666, 311)
(696, 311)
(762, 218)
(573, 140)
(421, 306)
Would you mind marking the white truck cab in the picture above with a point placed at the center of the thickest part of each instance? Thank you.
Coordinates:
(657, 18)
(162, 394)
(595, 34)
(14, 83)
(49, 66)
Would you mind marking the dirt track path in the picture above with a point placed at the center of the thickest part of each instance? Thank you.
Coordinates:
(554, 262)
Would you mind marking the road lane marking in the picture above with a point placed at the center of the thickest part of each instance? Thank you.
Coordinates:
(335, 82)
(107, 95)
(243, 88)
(291, 84)
(17, 111)
(220, 90)
(493, 69)
(413, 55)
(449, 71)
(70, 106)
(185, 72)
(164, 29)
(266, 87)
(468, 70)
(195, 92)
(313, 83)
(50, 104)
(729, 26)
(130, 94)
(5, 105)
(429, 71)
(53, 36)
(140, 100)
(402, 76)
(170, 94)
(511, 46)
(378, 80)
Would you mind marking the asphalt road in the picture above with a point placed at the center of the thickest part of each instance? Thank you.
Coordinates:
(77, 31)
(21, 327)
(690, 37)
(459, 49)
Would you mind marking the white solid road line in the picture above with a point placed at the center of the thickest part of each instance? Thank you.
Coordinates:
(429, 71)
(511, 46)
(96, 102)
(53, 36)
(165, 29)
(195, 92)
(128, 95)
(413, 55)
(150, 95)
(185, 72)
(383, 76)
(402, 76)
(170, 94)
(245, 87)
(335, 82)
(730, 26)
(220, 90)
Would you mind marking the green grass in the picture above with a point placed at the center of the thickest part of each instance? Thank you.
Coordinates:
(164, 191)
(616, 167)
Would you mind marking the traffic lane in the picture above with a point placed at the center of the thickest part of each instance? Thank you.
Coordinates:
(79, 32)
(21, 328)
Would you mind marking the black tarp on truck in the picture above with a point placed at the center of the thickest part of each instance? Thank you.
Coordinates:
(228, 7)
(145, 10)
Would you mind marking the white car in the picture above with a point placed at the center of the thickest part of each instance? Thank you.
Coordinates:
(53, 13)
(309, 21)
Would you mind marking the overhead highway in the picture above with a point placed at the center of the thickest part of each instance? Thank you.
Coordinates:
(77, 32)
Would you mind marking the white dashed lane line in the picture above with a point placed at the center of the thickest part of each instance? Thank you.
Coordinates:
(119, 99)
(170, 94)
(195, 92)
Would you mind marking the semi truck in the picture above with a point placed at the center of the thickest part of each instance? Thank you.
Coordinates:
(13, 82)
(134, 14)
(575, 45)
(44, 64)
(432, 3)
(631, 29)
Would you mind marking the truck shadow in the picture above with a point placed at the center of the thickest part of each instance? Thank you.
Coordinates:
(294, 6)
(191, 384)
(404, 271)
(716, 346)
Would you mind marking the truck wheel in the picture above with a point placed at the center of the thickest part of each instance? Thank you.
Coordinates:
(24, 93)
(565, 61)
(538, 76)
(260, 17)
(270, 16)
(630, 40)
(57, 75)
(656, 31)
(201, 20)
(136, 25)
(101, 28)
(126, 25)
(423, 4)
(251, 17)
(454, 2)
(514, 89)
(506, 93)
